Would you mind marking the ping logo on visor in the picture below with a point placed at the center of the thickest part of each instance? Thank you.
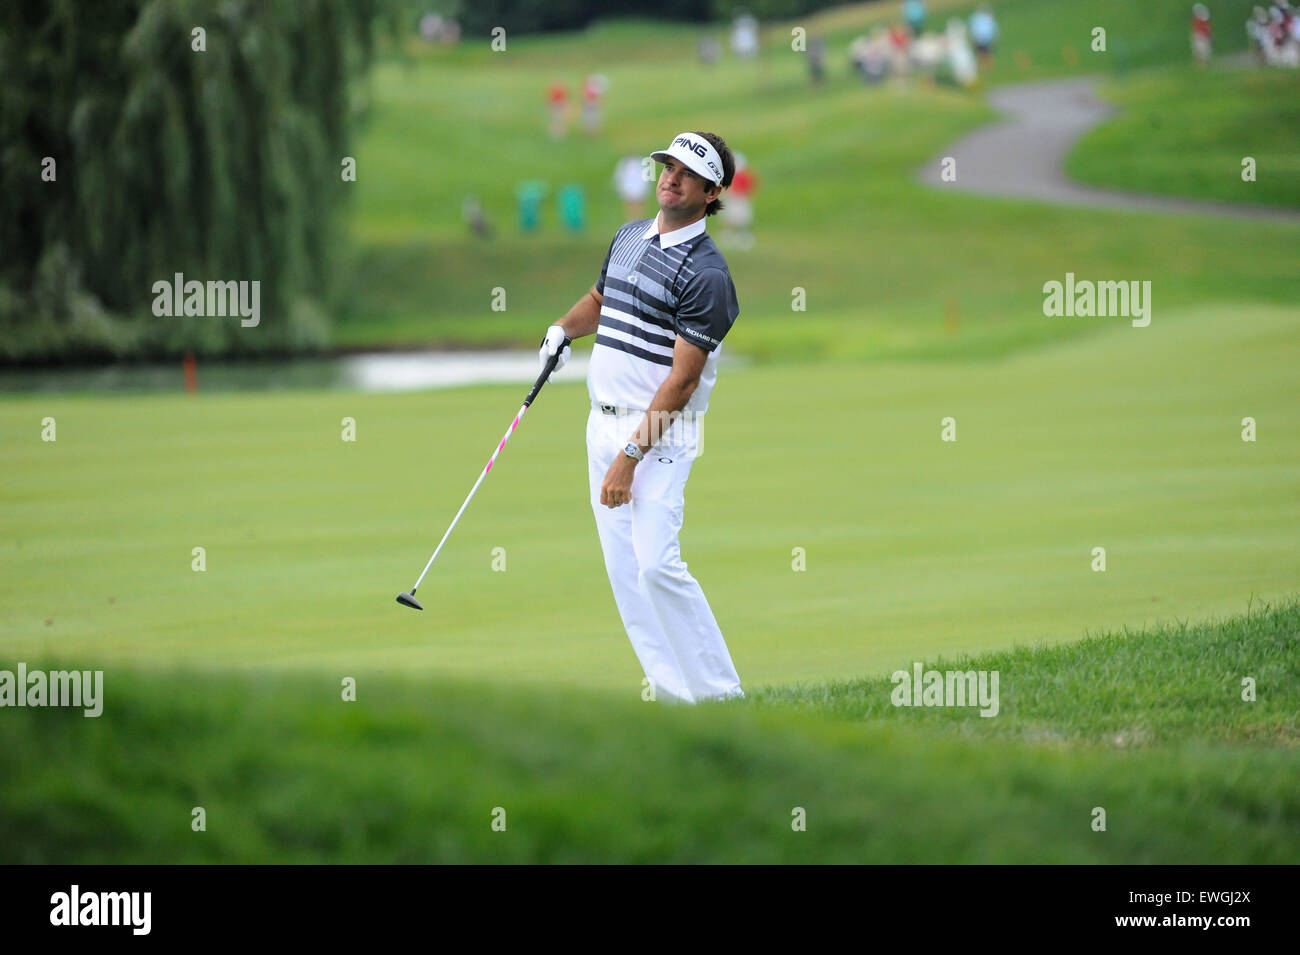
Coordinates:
(698, 155)
(692, 145)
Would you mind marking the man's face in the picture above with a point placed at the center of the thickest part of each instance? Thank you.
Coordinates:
(682, 191)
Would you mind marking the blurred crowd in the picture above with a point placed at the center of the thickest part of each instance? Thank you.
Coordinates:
(594, 88)
(1274, 34)
(956, 55)
(954, 52)
(437, 29)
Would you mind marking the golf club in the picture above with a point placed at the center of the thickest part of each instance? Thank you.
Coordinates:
(407, 598)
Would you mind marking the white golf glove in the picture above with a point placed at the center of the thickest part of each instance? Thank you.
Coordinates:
(554, 339)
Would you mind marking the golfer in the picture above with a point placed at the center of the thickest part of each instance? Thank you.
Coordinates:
(661, 307)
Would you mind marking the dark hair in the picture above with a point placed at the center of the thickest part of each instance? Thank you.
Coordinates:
(728, 167)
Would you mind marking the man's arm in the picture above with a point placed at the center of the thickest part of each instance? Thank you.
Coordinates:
(584, 317)
(688, 365)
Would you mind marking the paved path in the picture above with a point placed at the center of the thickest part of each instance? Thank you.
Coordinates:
(1022, 155)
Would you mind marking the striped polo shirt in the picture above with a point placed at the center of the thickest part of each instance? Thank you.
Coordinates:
(656, 287)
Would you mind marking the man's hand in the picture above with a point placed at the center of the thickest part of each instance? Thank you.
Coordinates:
(617, 488)
(550, 344)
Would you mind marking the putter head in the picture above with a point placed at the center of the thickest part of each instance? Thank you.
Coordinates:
(407, 600)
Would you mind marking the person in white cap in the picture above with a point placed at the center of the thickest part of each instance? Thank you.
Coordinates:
(631, 184)
(1201, 33)
(660, 309)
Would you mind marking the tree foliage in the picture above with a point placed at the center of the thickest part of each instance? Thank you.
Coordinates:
(221, 164)
(530, 16)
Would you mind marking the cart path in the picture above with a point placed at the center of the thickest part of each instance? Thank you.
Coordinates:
(1022, 155)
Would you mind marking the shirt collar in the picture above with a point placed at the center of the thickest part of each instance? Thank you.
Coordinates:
(669, 239)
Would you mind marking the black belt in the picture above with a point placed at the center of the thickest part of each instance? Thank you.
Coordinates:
(612, 409)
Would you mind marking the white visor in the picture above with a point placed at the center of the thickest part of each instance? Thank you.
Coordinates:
(696, 153)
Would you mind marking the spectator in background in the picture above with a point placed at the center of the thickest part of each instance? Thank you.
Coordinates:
(430, 27)
(558, 98)
(438, 29)
(899, 62)
(984, 33)
(744, 37)
(960, 58)
(914, 14)
(817, 59)
(930, 50)
(573, 207)
(1276, 45)
(708, 49)
(477, 220)
(1201, 34)
(631, 184)
(528, 198)
(1257, 33)
(870, 56)
(593, 88)
(738, 211)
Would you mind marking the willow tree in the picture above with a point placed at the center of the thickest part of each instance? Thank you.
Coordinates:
(141, 138)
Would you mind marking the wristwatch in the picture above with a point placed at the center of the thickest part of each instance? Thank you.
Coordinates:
(633, 452)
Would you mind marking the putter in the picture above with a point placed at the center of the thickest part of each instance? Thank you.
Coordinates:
(407, 598)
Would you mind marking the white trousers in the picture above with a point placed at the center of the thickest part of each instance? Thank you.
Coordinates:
(664, 611)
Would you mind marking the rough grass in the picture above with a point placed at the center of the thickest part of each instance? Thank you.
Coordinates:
(416, 770)
(1161, 685)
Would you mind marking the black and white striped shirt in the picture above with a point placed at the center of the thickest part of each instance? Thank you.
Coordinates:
(655, 288)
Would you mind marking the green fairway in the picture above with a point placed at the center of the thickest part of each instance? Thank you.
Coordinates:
(1128, 439)
(416, 770)
(1185, 132)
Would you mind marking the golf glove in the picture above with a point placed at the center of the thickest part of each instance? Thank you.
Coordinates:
(554, 339)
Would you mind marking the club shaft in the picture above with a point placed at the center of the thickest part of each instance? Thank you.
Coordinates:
(532, 394)
(492, 460)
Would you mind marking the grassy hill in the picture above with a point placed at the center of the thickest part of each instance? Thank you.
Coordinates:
(1184, 132)
(414, 770)
(885, 263)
